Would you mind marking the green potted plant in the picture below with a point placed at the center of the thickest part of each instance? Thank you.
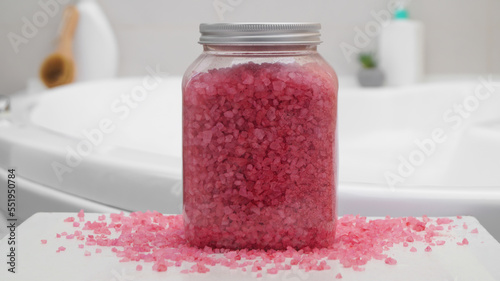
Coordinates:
(369, 75)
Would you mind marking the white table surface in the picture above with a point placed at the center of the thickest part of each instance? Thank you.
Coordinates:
(480, 260)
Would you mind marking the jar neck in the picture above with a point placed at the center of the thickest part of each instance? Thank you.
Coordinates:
(259, 49)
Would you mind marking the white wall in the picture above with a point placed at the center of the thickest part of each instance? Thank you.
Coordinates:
(462, 36)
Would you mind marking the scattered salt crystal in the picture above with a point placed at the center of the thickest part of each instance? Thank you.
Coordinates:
(390, 261)
(61, 248)
(413, 249)
(81, 215)
(465, 241)
(44, 241)
(87, 253)
(459, 217)
(70, 219)
(428, 249)
(80, 246)
(444, 220)
(98, 251)
(465, 226)
(474, 231)
(76, 224)
(259, 275)
(440, 242)
(272, 270)
(338, 276)
(138, 267)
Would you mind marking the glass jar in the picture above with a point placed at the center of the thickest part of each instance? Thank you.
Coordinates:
(259, 139)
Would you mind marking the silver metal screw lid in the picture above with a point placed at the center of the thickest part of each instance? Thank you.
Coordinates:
(265, 33)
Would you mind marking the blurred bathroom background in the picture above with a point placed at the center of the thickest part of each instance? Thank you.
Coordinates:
(138, 166)
(461, 37)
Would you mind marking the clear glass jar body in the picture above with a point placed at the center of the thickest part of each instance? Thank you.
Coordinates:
(259, 148)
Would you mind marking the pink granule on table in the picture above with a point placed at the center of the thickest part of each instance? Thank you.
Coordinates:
(70, 219)
(444, 221)
(158, 239)
(259, 157)
(138, 267)
(391, 261)
(474, 231)
(338, 276)
(81, 215)
(76, 224)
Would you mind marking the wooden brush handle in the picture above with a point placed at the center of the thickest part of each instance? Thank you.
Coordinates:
(70, 19)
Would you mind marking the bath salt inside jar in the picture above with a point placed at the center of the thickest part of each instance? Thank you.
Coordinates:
(259, 139)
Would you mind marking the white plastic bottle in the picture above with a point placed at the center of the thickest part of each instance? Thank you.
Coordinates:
(95, 46)
(401, 50)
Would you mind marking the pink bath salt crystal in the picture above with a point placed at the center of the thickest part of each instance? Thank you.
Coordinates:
(87, 253)
(390, 261)
(61, 248)
(64, 233)
(138, 267)
(81, 215)
(338, 276)
(405, 244)
(428, 249)
(80, 246)
(413, 249)
(440, 242)
(459, 217)
(71, 236)
(70, 219)
(44, 241)
(259, 275)
(272, 270)
(76, 224)
(101, 218)
(465, 241)
(98, 251)
(465, 226)
(443, 221)
(58, 235)
(474, 231)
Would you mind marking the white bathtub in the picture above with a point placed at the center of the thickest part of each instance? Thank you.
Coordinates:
(137, 166)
